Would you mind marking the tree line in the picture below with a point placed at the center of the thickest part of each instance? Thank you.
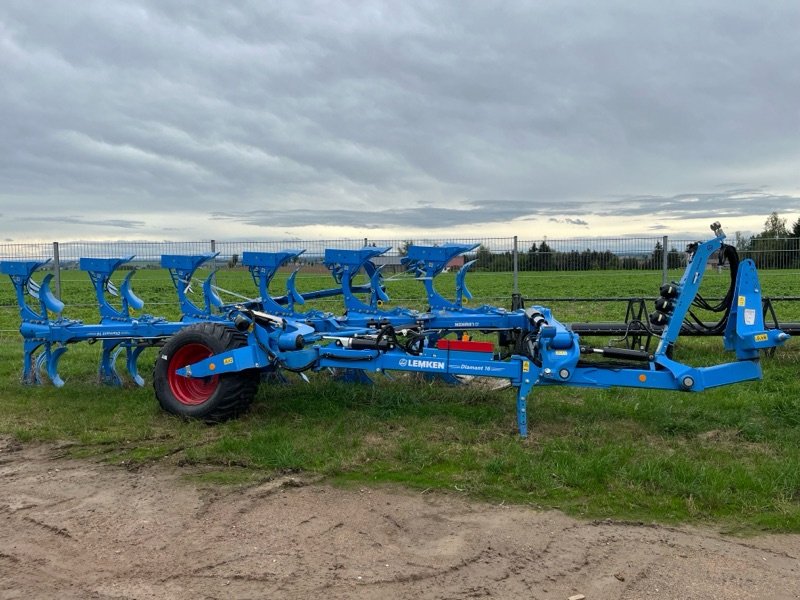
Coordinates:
(541, 257)
(777, 246)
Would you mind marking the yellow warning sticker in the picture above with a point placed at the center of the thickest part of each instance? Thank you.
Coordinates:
(227, 361)
(561, 352)
(761, 337)
(741, 300)
(526, 366)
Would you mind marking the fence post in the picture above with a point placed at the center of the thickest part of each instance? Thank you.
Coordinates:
(516, 297)
(213, 245)
(664, 260)
(365, 242)
(515, 255)
(57, 269)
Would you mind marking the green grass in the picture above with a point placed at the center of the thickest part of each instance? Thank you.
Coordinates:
(728, 457)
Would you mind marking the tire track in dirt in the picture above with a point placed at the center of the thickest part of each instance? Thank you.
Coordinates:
(81, 529)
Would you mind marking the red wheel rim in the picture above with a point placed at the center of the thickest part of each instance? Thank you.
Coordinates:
(188, 390)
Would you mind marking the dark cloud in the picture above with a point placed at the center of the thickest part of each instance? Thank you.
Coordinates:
(729, 203)
(710, 206)
(141, 113)
(569, 221)
(120, 223)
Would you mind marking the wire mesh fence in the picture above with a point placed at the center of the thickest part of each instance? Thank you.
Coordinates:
(493, 254)
(527, 264)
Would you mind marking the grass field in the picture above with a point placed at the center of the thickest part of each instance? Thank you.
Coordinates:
(729, 456)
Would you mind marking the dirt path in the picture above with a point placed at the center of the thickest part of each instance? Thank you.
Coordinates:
(79, 529)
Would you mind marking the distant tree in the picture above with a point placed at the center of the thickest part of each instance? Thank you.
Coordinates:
(795, 242)
(526, 260)
(484, 256)
(674, 258)
(771, 246)
(630, 263)
(571, 261)
(503, 262)
(545, 259)
(774, 227)
(403, 250)
(657, 257)
(608, 260)
(741, 242)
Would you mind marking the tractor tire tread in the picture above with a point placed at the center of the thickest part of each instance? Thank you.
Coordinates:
(237, 390)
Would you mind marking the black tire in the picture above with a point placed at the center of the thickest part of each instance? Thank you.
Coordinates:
(212, 399)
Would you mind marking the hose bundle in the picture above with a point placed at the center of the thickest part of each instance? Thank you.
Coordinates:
(693, 322)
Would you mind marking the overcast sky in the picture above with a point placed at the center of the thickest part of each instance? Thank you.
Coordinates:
(139, 119)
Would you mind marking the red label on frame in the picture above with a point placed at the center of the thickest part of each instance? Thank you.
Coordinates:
(465, 346)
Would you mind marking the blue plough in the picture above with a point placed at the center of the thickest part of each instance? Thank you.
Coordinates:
(210, 362)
